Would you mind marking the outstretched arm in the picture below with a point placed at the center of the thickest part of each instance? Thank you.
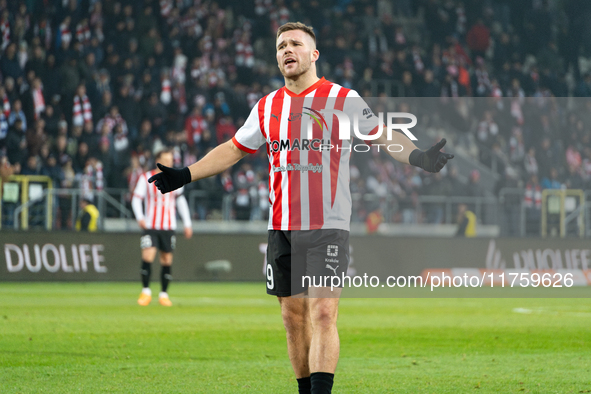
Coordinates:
(431, 160)
(215, 162)
(183, 209)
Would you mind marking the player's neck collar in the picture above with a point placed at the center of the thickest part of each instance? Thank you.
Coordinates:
(305, 92)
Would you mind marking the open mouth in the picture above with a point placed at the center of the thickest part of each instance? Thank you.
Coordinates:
(289, 61)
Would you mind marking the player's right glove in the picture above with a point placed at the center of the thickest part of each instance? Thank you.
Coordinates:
(170, 178)
(431, 160)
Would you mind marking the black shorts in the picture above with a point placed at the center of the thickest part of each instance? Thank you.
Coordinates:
(294, 256)
(164, 240)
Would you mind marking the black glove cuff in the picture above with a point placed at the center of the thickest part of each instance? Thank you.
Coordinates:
(186, 174)
(416, 158)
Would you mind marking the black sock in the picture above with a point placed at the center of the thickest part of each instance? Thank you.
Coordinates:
(321, 382)
(145, 272)
(165, 277)
(304, 385)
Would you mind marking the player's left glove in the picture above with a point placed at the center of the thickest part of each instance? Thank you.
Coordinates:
(431, 160)
(170, 178)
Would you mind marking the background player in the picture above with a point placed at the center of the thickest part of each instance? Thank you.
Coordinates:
(157, 219)
(301, 201)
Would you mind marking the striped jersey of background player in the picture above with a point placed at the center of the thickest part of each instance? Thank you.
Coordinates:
(308, 193)
(157, 219)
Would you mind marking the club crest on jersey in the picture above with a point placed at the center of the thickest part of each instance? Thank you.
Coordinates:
(315, 115)
(318, 117)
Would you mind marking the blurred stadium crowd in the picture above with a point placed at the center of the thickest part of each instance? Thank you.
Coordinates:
(90, 90)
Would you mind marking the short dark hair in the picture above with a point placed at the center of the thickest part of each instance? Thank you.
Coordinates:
(297, 26)
(163, 151)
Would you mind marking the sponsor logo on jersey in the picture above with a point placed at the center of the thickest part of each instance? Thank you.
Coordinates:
(297, 144)
(298, 167)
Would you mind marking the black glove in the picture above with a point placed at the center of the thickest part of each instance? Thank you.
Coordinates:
(170, 178)
(431, 160)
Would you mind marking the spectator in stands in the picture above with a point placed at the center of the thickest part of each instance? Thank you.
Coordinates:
(89, 137)
(474, 187)
(70, 81)
(156, 113)
(102, 107)
(530, 163)
(145, 138)
(551, 181)
(51, 121)
(36, 62)
(430, 86)
(9, 65)
(16, 143)
(111, 120)
(407, 85)
(516, 147)
(129, 109)
(511, 201)
(457, 187)
(195, 125)
(32, 166)
(88, 216)
(10, 90)
(466, 222)
(533, 205)
(16, 112)
(82, 109)
(546, 159)
(60, 150)
(52, 169)
(120, 158)
(52, 78)
(584, 86)
(436, 186)
(64, 200)
(225, 129)
(6, 170)
(36, 137)
(81, 158)
(574, 179)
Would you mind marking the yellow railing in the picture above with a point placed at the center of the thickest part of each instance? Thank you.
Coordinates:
(21, 183)
(559, 201)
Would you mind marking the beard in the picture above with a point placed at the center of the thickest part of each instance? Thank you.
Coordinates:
(302, 68)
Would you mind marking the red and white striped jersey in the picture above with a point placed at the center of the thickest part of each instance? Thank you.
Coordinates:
(159, 211)
(308, 185)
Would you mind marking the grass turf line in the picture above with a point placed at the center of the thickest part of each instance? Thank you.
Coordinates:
(229, 338)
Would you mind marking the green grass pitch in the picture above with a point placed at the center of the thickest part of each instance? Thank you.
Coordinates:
(228, 338)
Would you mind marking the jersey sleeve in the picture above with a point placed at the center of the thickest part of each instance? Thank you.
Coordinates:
(355, 106)
(141, 187)
(250, 137)
(183, 210)
(179, 192)
(139, 193)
